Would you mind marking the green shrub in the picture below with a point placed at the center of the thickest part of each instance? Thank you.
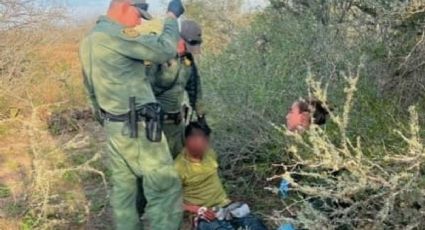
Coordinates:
(252, 83)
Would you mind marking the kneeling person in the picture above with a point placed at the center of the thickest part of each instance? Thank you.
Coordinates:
(204, 195)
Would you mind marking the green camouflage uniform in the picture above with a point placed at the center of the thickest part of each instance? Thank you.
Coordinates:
(112, 58)
(170, 82)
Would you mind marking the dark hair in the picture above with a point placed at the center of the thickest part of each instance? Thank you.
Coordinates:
(197, 126)
(320, 112)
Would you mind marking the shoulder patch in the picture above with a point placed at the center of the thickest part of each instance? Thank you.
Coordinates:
(131, 32)
(151, 27)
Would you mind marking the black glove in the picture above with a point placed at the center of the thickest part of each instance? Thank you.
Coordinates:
(176, 7)
(203, 121)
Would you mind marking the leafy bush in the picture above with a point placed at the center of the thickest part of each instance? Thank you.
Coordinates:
(250, 85)
(336, 186)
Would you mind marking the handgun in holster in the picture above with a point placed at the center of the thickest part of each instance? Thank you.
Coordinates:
(153, 116)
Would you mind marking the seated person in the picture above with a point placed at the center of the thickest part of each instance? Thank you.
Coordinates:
(301, 115)
(305, 112)
(203, 193)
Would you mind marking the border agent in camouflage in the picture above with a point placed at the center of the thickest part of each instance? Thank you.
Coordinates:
(171, 82)
(112, 56)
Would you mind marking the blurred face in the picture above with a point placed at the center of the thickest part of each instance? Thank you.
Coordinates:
(197, 144)
(184, 47)
(297, 120)
(125, 14)
(181, 47)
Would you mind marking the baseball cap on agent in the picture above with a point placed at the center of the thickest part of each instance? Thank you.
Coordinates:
(143, 7)
(191, 33)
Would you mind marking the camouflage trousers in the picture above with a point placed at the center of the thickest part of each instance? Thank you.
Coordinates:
(132, 159)
(175, 137)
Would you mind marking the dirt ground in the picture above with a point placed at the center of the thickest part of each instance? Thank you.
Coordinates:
(77, 142)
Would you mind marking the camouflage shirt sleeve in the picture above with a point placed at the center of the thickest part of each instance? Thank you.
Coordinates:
(157, 49)
(88, 86)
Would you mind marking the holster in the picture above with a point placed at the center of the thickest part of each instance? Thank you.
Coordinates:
(150, 113)
(154, 118)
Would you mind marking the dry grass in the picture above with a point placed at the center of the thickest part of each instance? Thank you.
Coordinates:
(40, 74)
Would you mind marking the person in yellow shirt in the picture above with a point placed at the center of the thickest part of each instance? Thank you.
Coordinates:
(204, 196)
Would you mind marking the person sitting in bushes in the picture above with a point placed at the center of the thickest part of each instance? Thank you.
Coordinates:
(301, 115)
(305, 112)
(204, 196)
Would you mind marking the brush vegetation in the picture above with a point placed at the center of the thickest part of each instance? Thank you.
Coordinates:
(362, 170)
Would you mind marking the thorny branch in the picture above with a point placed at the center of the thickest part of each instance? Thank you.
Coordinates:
(343, 180)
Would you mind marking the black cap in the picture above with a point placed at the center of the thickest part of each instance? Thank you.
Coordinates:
(191, 33)
(143, 7)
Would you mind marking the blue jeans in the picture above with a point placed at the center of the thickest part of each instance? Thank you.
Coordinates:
(249, 222)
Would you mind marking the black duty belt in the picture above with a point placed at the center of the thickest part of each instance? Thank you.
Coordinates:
(173, 118)
(116, 118)
(150, 113)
